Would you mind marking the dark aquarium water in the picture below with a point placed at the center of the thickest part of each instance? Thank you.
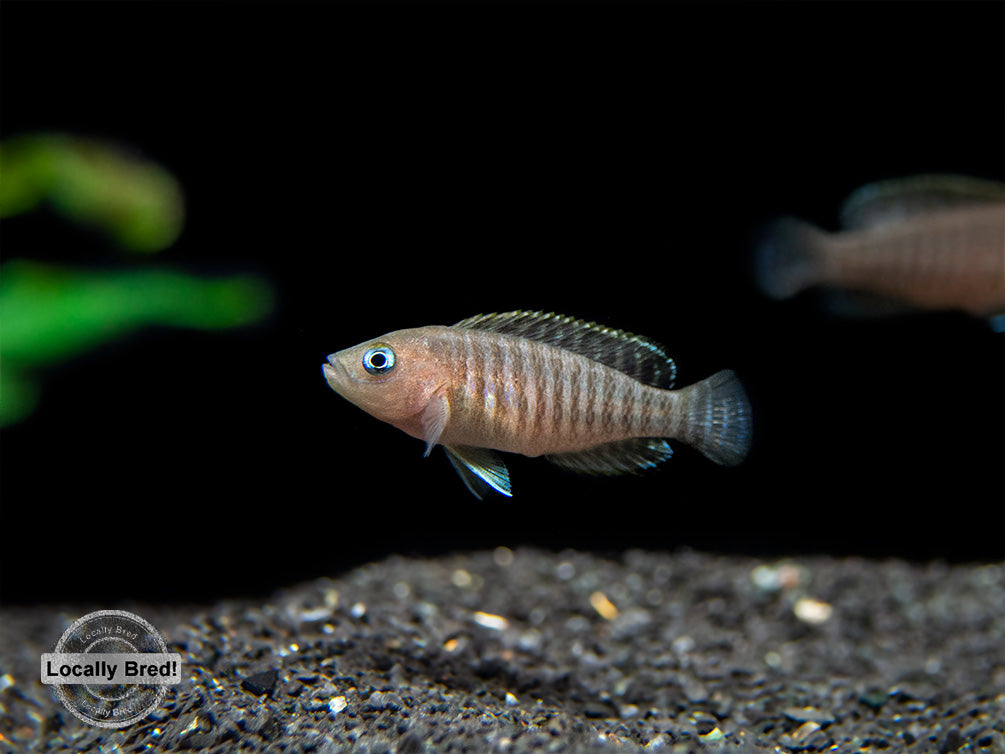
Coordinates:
(358, 169)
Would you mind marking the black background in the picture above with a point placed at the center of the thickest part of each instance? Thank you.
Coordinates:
(392, 166)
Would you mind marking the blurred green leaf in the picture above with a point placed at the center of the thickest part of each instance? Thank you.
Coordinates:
(101, 184)
(51, 313)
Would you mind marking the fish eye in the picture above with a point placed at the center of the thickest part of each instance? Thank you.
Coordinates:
(378, 360)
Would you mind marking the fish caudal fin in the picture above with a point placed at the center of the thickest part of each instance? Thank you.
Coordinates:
(788, 257)
(717, 419)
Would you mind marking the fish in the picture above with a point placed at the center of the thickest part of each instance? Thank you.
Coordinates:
(589, 398)
(932, 242)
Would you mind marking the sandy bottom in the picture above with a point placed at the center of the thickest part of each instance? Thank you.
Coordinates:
(525, 650)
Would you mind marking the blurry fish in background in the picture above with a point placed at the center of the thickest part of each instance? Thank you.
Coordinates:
(927, 242)
(50, 313)
(589, 398)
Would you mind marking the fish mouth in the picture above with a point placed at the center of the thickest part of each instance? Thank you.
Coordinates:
(335, 374)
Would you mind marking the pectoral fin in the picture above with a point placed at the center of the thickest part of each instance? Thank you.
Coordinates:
(435, 416)
(479, 468)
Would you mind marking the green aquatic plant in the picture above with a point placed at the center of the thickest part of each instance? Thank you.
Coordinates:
(51, 313)
(138, 203)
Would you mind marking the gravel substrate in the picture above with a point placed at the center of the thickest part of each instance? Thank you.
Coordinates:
(525, 650)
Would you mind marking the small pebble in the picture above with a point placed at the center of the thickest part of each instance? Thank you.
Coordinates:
(952, 742)
(315, 614)
(683, 644)
(336, 705)
(812, 611)
(808, 714)
(603, 606)
(804, 731)
(488, 620)
(712, 736)
(260, 683)
(772, 578)
(874, 698)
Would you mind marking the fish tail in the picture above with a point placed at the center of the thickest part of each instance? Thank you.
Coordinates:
(717, 420)
(789, 257)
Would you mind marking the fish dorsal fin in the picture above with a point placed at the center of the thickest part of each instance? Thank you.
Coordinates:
(899, 199)
(634, 355)
(621, 457)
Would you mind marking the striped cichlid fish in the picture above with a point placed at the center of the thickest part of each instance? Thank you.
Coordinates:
(931, 241)
(589, 398)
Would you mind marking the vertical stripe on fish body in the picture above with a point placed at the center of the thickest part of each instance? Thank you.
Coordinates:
(951, 259)
(523, 396)
(589, 398)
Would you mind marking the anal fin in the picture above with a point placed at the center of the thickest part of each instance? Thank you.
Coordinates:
(479, 469)
(853, 303)
(621, 457)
